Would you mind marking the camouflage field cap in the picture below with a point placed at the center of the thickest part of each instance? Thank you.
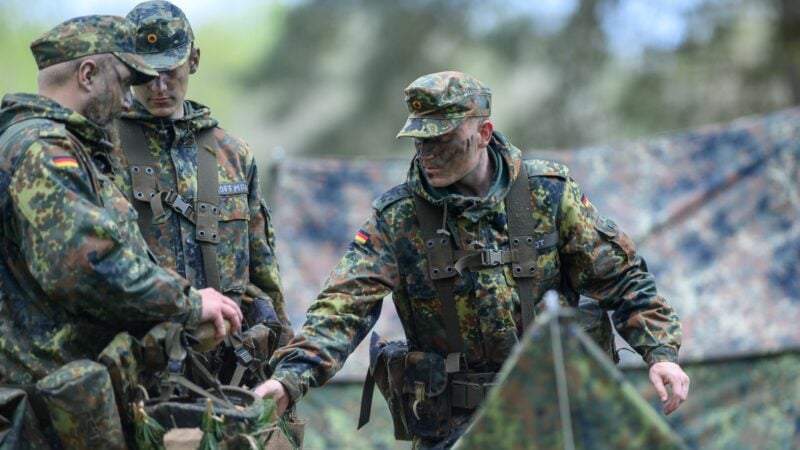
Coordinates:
(163, 34)
(439, 102)
(92, 35)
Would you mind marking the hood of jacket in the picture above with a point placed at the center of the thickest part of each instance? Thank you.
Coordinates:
(18, 107)
(507, 161)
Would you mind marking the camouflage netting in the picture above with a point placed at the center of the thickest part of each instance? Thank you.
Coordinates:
(714, 212)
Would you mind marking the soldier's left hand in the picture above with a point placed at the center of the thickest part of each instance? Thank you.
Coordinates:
(668, 373)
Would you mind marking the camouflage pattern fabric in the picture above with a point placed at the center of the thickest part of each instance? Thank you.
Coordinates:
(19, 427)
(74, 269)
(743, 403)
(92, 35)
(598, 408)
(245, 253)
(164, 36)
(388, 256)
(438, 103)
(713, 211)
(82, 407)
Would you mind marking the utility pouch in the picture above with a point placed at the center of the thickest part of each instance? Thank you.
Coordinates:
(387, 370)
(258, 309)
(425, 395)
(19, 426)
(261, 311)
(81, 405)
(260, 341)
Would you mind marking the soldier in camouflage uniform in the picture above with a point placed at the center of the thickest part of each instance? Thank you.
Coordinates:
(466, 171)
(74, 269)
(162, 134)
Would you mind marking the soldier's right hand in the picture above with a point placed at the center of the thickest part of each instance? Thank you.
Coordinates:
(217, 308)
(276, 390)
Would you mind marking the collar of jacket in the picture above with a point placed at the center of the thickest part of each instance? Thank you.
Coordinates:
(196, 117)
(16, 107)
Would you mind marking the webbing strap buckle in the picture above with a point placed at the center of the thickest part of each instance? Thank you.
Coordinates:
(243, 356)
(178, 203)
(491, 257)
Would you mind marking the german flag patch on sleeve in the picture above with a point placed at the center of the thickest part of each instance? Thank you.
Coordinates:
(65, 162)
(584, 200)
(362, 237)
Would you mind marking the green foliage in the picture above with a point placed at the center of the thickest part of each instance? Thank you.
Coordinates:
(149, 434)
(212, 427)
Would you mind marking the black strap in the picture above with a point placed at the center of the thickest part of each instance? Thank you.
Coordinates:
(441, 270)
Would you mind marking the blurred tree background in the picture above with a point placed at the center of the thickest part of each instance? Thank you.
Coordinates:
(323, 77)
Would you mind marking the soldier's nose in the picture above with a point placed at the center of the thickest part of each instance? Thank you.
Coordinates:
(127, 101)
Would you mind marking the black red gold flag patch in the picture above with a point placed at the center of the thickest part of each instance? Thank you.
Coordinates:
(65, 162)
(362, 237)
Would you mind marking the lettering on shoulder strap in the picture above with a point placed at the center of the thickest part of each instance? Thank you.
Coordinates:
(232, 188)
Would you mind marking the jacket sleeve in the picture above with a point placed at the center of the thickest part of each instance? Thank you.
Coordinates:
(79, 254)
(601, 262)
(264, 269)
(342, 315)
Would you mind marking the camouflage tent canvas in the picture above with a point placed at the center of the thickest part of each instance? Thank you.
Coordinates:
(714, 212)
(559, 390)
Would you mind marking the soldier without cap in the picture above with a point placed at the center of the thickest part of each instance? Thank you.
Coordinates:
(464, 273)
(74, 269)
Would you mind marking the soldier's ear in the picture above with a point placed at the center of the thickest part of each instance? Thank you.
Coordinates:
(485, 130)
(194, 60)
(87, 71)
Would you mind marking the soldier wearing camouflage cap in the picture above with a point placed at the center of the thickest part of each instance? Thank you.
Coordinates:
(74, 269)
(467, 247)
(165, 139)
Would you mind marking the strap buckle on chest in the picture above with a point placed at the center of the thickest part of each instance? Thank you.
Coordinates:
(491, 257)
(178, 203)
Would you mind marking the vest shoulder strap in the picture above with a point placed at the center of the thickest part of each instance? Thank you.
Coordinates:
(207, 232)
(148, 195)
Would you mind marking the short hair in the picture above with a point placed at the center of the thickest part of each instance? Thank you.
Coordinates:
(59, 74)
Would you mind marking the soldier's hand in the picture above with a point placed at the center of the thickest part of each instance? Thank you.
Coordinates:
(668, 373)
(274, 389)
(217, 308)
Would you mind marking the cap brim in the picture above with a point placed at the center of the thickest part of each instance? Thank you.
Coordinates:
(141, 72)
(428, 128)
(169, 59)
